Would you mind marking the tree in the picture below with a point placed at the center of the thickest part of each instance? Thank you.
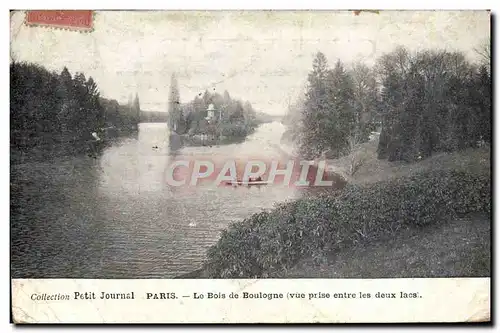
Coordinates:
(484, 53)
(249, 113)
(365, 93)
(336, 110)
(207, 99)
(479, 96)
(315, 108)
(328, 116)
(137, 109)
(393, 71)
(227, 97)
(174, 107)
(96, 112)
(293, 121)
(342, 121)
(237, 114)
(68, 103)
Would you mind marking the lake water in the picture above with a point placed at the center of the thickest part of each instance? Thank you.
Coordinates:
(116, 216)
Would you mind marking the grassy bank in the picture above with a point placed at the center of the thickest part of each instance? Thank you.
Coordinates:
(372, 169)
(459, 247)
(410, 204)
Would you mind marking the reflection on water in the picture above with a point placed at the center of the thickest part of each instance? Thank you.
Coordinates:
(116, 217)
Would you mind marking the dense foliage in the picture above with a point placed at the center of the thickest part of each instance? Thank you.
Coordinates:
(232, 117)
(339, 109)
(423, 102)
(51, 111)
(432, 102)
(268, 242)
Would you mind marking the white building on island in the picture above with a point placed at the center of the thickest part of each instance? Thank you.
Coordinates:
(210, 112)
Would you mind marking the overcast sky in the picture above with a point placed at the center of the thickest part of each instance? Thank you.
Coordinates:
(263, 57)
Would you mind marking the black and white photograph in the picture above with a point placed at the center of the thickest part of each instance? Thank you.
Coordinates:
(350, 144)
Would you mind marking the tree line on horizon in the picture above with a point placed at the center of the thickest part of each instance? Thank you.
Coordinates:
(50, 110)
(421, 102)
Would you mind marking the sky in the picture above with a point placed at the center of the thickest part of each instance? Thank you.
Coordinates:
(262, 56)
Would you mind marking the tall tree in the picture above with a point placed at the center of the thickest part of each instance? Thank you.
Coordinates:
(174, 107)
(96, 112)
(484, 53)
(315, 108)
(137, 108)
(365, 93)
(393, 70)
(227, 97)
(341, 120)
(65, 93)
(328, 115)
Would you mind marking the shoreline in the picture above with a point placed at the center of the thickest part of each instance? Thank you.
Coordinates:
(53, 150)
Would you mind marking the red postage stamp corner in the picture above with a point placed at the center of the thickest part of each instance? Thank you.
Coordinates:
(69, 19)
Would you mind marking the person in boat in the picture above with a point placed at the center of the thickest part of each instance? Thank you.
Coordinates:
(259, 179)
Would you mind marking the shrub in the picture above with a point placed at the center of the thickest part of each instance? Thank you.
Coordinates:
(272, 241)
(234, 130)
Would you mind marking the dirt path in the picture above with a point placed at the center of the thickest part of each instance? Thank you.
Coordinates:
(458, 248)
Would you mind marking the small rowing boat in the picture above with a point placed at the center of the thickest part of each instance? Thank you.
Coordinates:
(261, 182)
(248, 183)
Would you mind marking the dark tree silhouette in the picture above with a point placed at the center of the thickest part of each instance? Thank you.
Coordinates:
(53, 114)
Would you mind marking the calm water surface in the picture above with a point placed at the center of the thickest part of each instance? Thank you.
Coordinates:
(116, 217)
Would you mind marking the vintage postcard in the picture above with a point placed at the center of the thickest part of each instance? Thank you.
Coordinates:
(250, 166)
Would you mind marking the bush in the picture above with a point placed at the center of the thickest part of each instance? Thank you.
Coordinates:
(236, 130)
(268, 242)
